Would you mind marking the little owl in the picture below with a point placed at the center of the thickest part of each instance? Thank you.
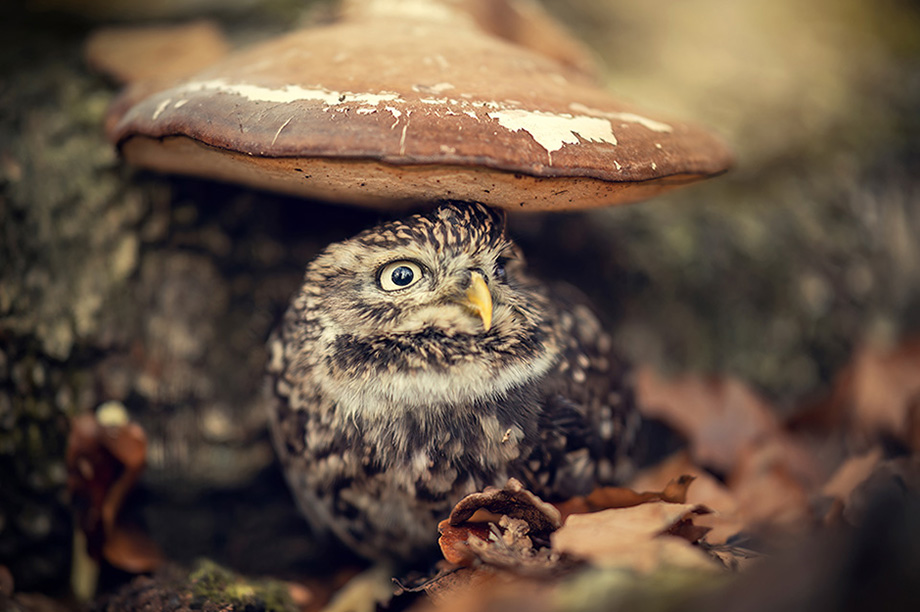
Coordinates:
(420, 362)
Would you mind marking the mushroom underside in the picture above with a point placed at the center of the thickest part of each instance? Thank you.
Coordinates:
(380, 184)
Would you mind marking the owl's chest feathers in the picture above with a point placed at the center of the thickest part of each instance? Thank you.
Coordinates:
(430, 407)
(429, 375)
(436, 445)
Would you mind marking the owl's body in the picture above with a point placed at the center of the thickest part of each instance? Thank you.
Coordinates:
(419, 363)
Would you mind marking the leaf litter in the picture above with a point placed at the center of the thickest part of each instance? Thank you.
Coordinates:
(746, 485)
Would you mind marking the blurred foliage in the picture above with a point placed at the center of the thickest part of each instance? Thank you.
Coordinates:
(805, 249)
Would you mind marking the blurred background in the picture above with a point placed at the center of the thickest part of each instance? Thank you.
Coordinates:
(808, 247)
(158, 292)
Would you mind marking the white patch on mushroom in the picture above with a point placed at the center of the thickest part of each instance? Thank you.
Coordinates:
(160, 108)
(288, 93)
(488, 104)
(396, 114)
(650, 124)
(402, 139)
(180, 103)
(553, 131)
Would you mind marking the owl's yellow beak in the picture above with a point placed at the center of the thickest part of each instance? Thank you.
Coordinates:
(479, 299)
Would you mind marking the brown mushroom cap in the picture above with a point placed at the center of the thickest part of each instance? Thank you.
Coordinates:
(396, 108)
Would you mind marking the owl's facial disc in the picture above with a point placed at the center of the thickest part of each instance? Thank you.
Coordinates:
(429, 311)
(451, 293)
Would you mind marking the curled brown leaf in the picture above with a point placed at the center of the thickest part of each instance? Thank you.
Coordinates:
(104, 463)
(513, 500)
(604, 498)
(506, 529)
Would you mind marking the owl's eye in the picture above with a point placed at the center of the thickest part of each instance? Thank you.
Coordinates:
(500, 272)
(399, 275)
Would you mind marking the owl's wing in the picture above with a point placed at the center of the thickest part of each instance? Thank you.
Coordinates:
(563, 462)
(589, 421)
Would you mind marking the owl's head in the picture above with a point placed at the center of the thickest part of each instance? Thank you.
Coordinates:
(451, 271)
(438, 304)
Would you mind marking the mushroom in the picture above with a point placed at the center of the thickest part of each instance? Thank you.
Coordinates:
(405, 101)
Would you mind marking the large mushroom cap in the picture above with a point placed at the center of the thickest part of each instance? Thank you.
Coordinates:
(411, 105)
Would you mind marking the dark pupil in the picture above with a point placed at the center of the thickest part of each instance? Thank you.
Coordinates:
(500, 269)
(402, 276)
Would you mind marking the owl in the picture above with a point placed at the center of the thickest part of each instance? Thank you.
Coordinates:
(420, 362)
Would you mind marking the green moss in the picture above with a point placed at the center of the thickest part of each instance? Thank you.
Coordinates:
(216, 584)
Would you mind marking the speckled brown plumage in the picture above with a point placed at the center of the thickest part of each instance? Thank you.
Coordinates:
(393, 401)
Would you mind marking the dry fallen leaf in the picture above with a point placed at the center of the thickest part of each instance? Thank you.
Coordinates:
(497, 527)
(513, 500)
(893, 479)
(104, 462)
(773, 482)
(772, 479)
(526, 540)
(453, 541)
(638, 538)
(708, 491)
(605, 498)
(719, 417)
(770, 475)
(851, 473)
(877, 395)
